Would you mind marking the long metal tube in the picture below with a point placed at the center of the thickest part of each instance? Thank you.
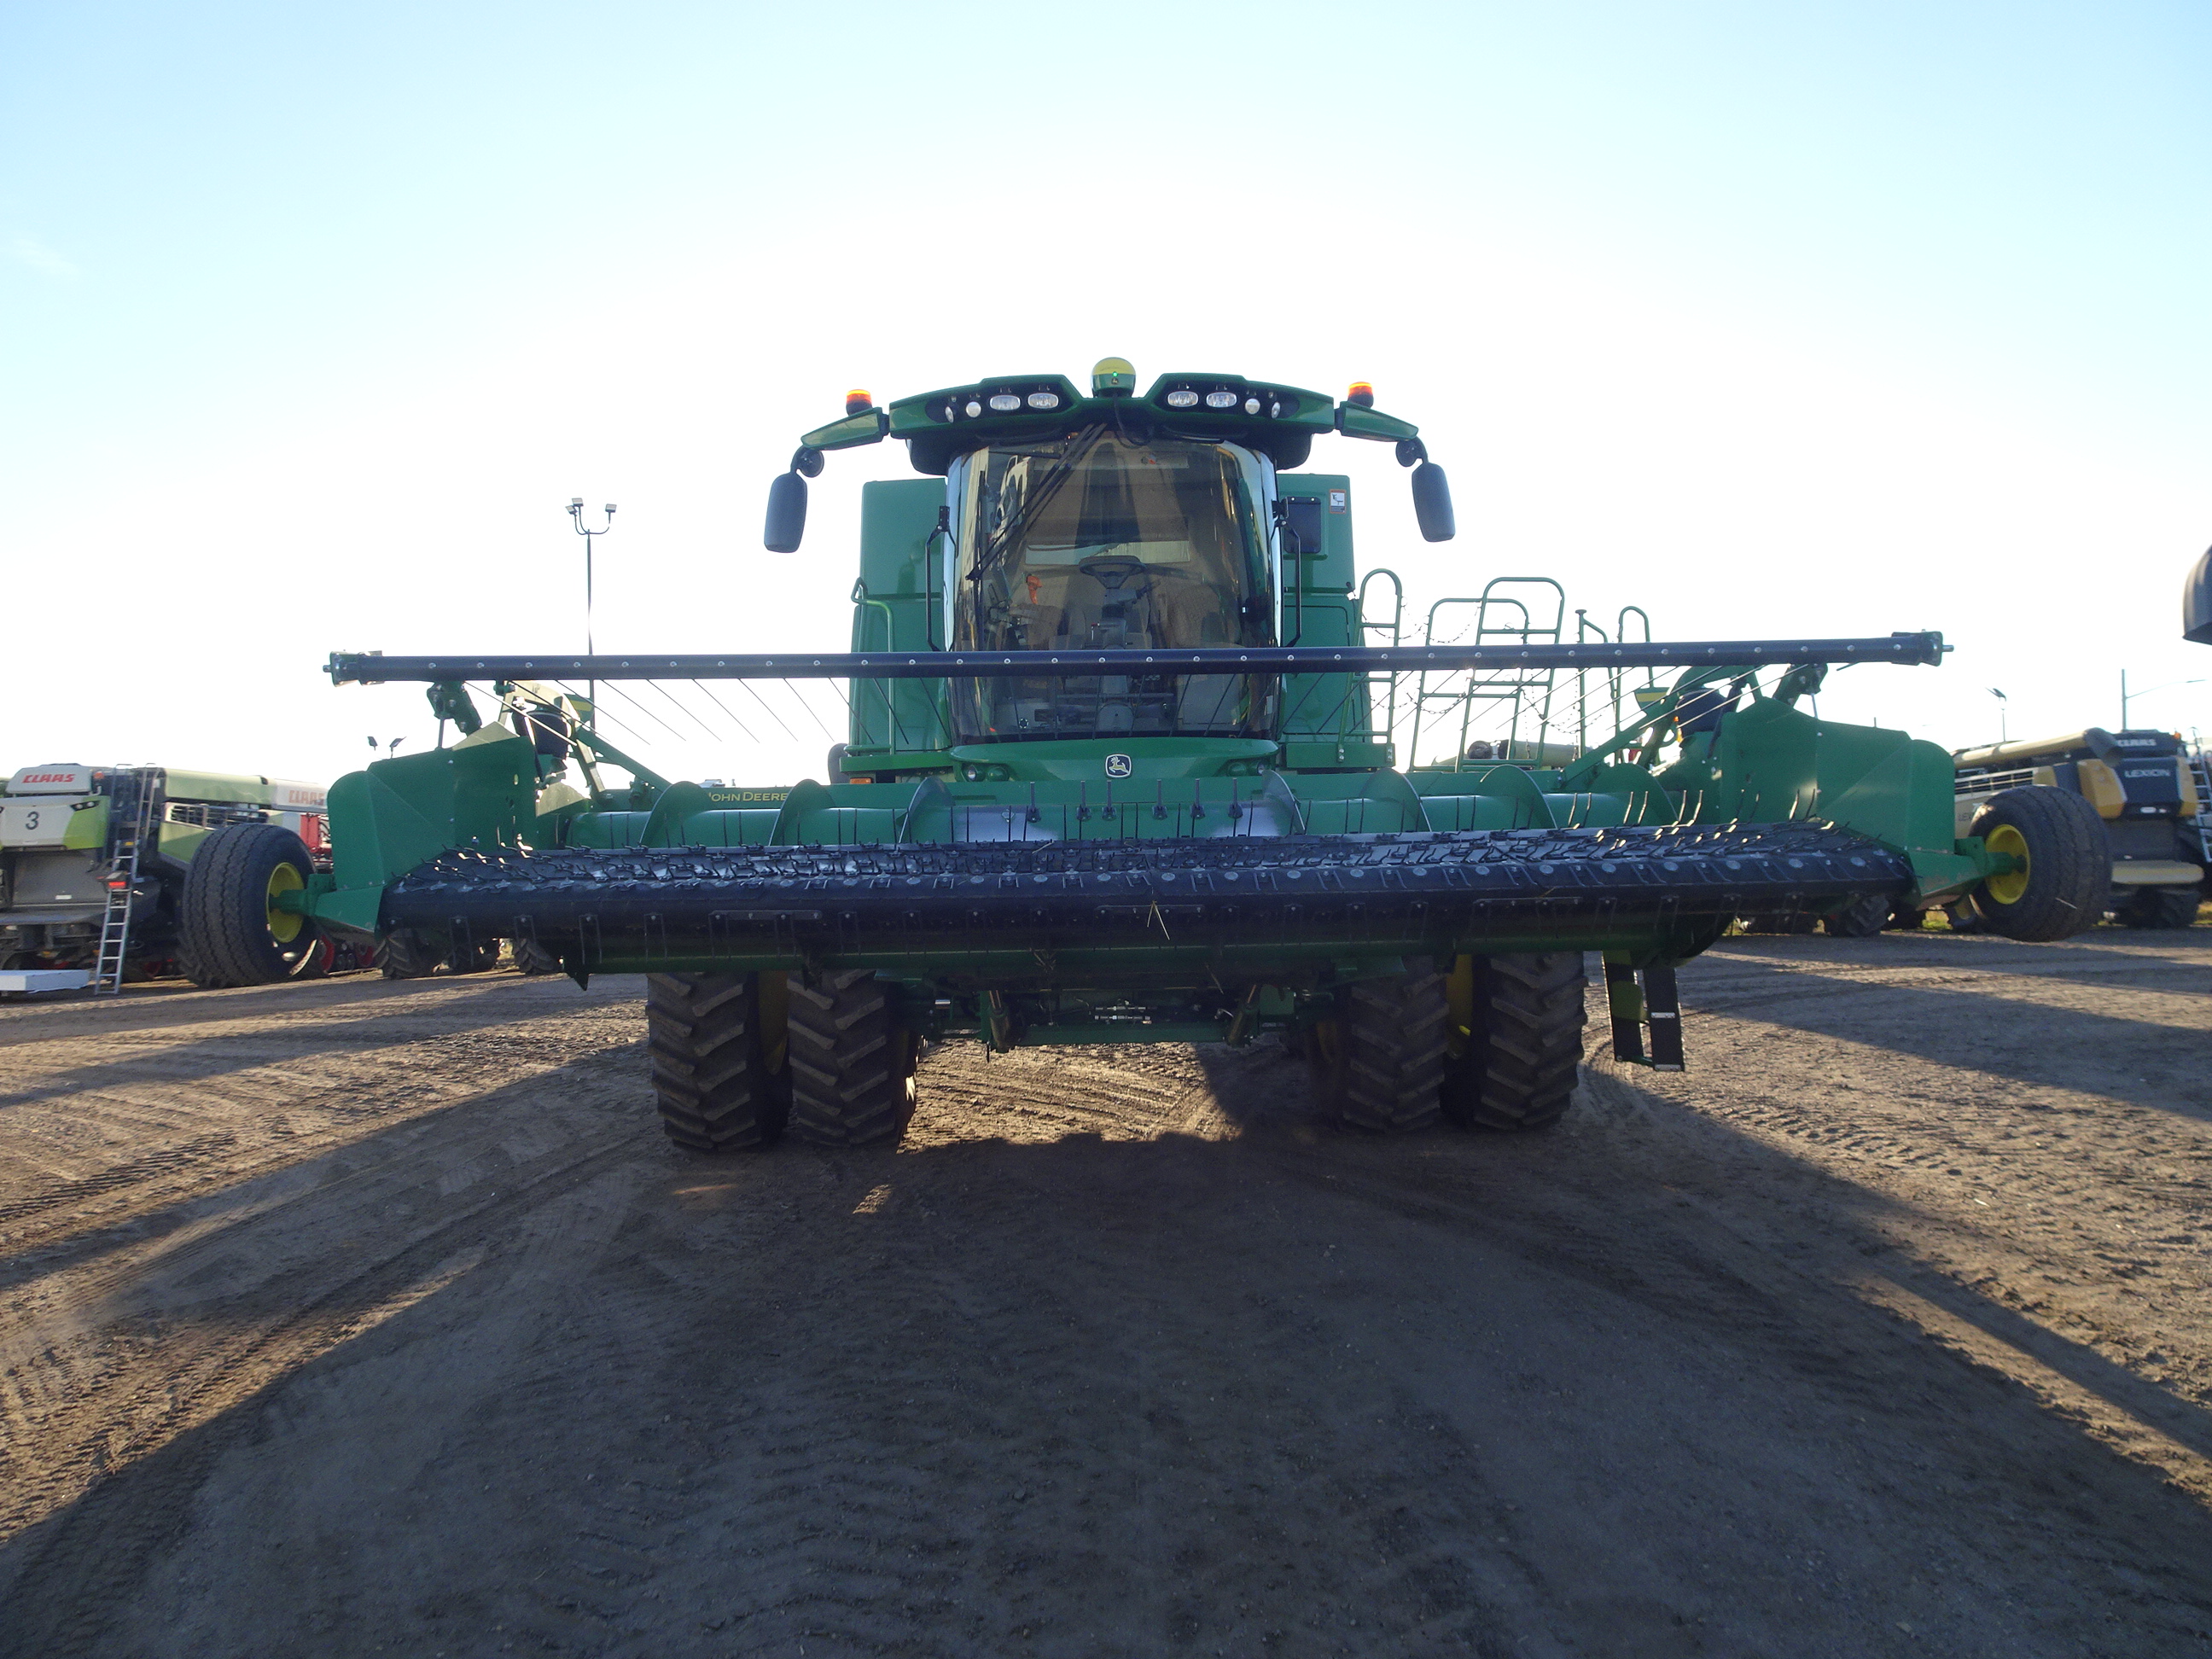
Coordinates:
(371, 669)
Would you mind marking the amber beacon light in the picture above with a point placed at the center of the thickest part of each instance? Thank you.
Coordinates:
(858, 402)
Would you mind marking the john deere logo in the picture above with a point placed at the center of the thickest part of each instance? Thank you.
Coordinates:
(1119, 766)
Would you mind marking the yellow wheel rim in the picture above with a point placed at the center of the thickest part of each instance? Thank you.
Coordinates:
(284, 926)
(2012, 888)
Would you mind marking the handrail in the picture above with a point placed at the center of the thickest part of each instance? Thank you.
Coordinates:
(866, 602)
(1397, 627)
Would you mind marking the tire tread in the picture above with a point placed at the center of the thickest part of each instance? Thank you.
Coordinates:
(1391, 1036)
(1523, 1054)
(852, 1065)
(710, 1078)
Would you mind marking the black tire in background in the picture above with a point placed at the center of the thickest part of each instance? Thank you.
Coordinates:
(229, 933)
(479, 958)
(2068, 877)
(1524, 1043)
(852, 1063)
(721, 1075)
(407, 955)
(1379, 1059)
(1863, 918)
(2160, 906)
(532, 957)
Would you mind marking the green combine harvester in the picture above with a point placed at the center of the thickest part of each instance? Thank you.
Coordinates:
(1121, 768)
(109, 873)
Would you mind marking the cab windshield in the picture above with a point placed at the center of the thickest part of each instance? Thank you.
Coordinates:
(1098, 542)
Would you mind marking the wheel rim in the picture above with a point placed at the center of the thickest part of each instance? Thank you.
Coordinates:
(284, 926)
(2011, 888)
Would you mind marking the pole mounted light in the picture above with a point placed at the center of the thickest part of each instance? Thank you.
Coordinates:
(2128, 697)
(577, 522)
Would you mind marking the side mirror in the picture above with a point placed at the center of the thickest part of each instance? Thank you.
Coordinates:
(1432, 505)
(2197, 602)
(786, 513)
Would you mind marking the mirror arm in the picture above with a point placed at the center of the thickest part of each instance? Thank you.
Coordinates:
(944, 530)
(1292, 565)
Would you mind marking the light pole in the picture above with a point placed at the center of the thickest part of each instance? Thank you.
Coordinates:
(576, 520)
(2125, 695)
(2004, 735)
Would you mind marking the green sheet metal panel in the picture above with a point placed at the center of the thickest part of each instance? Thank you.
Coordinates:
(1326, 717)
(894, 610)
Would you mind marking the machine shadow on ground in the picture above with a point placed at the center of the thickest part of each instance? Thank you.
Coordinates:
(1279, 1390)
(2142, 1061)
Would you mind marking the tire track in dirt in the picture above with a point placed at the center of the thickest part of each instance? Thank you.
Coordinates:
(1123, 1352)
(219, 1357)
(150, 1333)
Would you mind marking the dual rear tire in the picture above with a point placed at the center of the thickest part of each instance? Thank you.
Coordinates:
(1495, 1044)
(741, 1059)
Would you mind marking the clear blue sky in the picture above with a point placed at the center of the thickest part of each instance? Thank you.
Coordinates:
(1772, 319)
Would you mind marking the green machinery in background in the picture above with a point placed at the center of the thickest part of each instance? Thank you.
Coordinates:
(141, 871)
(1122, 767)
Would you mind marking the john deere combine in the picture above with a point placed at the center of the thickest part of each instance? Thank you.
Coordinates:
(1121, 768)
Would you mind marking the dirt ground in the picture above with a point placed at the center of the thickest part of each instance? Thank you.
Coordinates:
(360, 1317)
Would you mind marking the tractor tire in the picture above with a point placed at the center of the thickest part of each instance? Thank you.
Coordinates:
(532, 957)
(2069, 878)
(1524, 1044)
(479, 958)
(2160, 906)
(229, 933)
(719, 1073)
(1861, 918)
(852, 1063)
(407, 955)
(1378, 1062)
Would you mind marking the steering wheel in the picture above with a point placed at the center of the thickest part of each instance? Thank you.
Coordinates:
(1112, 570)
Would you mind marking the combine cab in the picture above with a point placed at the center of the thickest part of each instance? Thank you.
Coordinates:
(1122, 767)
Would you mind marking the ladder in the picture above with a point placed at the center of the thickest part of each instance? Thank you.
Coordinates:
(130, 808)
(1526, 693)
